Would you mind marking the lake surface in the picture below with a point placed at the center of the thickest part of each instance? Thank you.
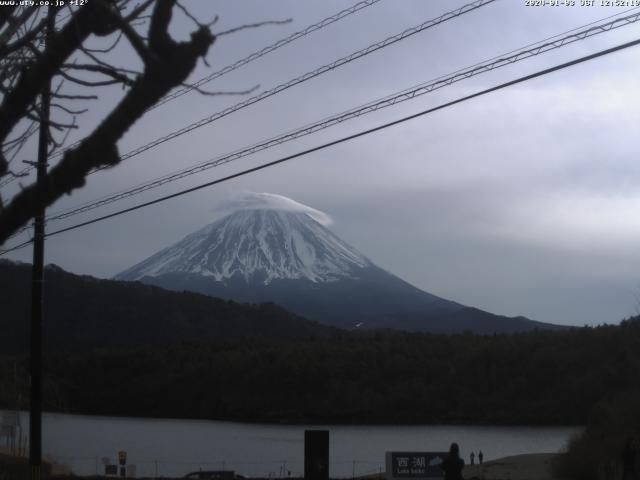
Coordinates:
(161, 447)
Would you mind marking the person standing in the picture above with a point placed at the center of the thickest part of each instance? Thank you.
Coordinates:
(480, 457)
(453, 464)
(472, 456)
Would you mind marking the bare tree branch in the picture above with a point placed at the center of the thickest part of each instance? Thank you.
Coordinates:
(135, 40)
(75, 97)
(33, 79)
(109, 48)
(68, 110)
(57, 144)
(253, 25)
(5, 14)
(219, 93)
(14, 24)
(51, 123)
(114, 73)
(135, 14)
(8, 143)
(188, 14)
(171, 63)
(8, 48)
(98, 61)
(17, 174)
(88, 83)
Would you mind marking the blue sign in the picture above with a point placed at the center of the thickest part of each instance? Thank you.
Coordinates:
(415, 464)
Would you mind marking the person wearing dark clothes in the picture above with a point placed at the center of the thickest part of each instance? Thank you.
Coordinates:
(480, 457)
(453, 464)
(629, 457)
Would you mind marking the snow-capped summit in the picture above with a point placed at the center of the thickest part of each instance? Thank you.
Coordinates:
(258, 245)
(269, 248)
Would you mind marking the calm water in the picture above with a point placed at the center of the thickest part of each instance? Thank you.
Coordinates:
(176, 447)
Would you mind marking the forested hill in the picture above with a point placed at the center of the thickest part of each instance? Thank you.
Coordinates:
(542, 377)
(83, 313)
(135, 350)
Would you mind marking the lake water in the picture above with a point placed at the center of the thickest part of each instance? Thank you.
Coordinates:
(161, 447)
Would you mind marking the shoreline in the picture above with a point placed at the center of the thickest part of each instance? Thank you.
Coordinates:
(530, 466)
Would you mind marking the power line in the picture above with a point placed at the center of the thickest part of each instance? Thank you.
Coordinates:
(501, 86)
(231, 67)
(408, 94)
(260, 53)
(308, 76)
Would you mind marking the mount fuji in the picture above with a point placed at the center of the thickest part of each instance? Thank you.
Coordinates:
(287, 256)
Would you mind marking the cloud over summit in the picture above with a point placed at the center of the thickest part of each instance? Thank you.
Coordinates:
(271, 201)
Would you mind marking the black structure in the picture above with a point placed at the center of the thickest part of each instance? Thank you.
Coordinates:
(37, 283)
(316, 454)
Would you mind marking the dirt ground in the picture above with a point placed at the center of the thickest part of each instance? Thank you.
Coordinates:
(535, 466)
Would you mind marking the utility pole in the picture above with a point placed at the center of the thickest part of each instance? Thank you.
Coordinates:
(37, 280)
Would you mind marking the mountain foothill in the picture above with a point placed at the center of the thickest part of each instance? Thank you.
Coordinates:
(188, 355)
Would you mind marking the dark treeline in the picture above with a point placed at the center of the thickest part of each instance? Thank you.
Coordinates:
(598, 452)
(83, 313)
(541, 377)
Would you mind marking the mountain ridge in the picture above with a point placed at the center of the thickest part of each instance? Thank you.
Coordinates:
(291, 259)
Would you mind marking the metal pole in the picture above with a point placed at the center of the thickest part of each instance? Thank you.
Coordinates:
(37, 284)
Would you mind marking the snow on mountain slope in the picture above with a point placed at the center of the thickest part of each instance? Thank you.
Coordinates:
(258, 245)
(273, 249)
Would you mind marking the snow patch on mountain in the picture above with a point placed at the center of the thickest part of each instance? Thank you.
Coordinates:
(282, 241)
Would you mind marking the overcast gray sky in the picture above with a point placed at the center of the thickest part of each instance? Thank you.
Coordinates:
(521, 202)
